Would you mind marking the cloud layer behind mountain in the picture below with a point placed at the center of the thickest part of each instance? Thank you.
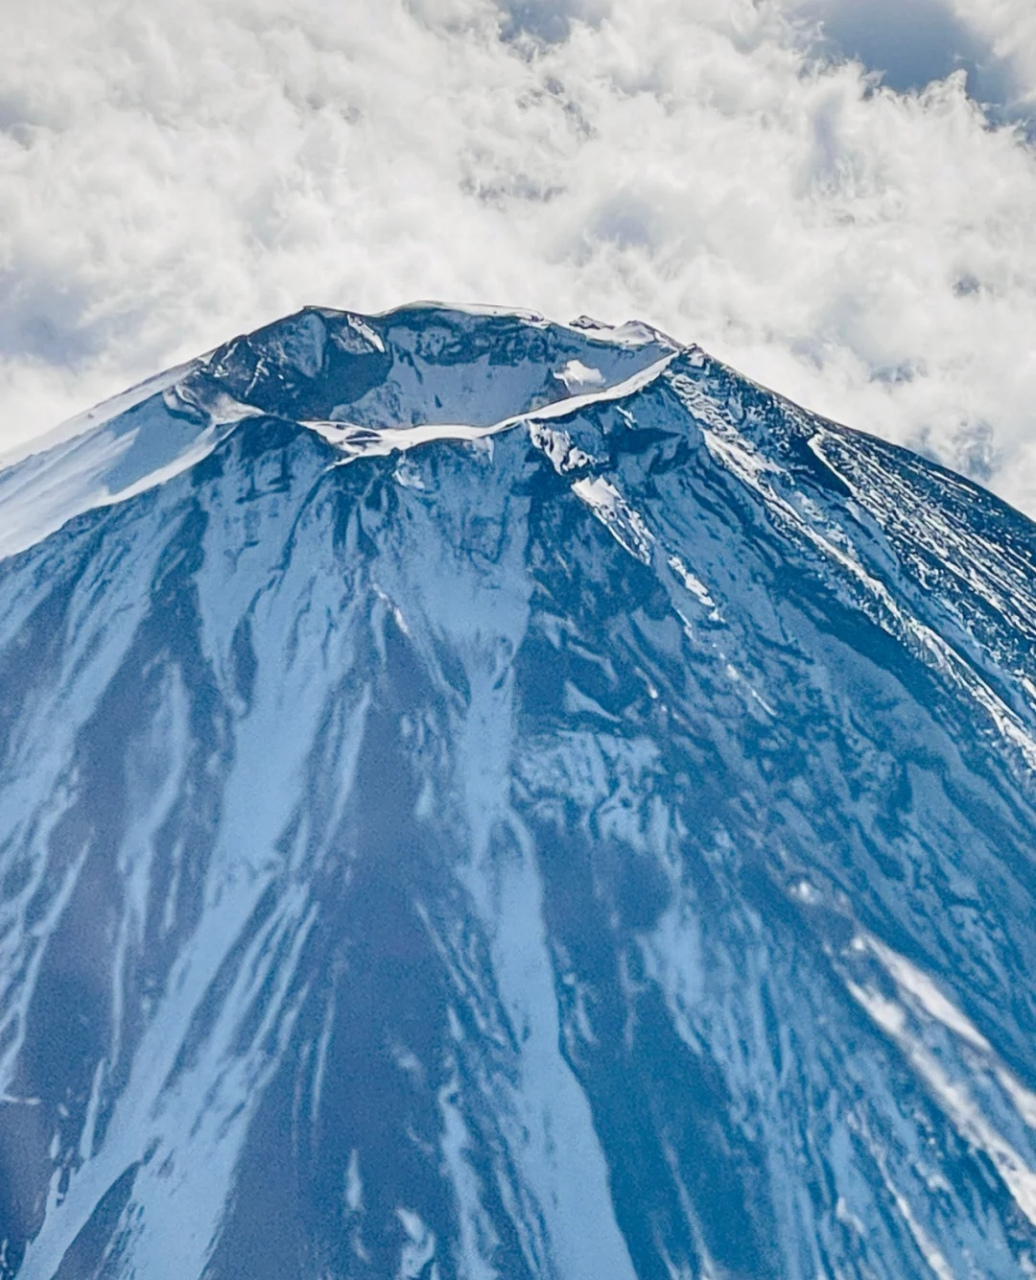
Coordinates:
(171, 174)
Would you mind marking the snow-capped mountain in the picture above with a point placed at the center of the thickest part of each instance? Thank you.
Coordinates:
(486, 798)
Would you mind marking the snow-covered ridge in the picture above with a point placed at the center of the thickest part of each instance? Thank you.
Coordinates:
(356, 441)
(406, 365)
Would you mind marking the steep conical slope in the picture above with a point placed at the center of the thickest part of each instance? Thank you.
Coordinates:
(480, 797)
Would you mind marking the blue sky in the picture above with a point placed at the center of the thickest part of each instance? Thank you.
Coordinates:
(909, 43)
(913, 42)
(809, 188)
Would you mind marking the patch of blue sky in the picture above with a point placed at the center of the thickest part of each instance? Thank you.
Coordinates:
(911, 43)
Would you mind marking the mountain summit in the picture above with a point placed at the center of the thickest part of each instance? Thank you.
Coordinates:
(488, 798)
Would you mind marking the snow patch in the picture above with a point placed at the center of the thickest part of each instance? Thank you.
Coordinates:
(576, 375)
(625, 524)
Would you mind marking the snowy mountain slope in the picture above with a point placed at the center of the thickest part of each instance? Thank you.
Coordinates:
(480, 797)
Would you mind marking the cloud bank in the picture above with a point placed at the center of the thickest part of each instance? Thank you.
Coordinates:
(175, 173)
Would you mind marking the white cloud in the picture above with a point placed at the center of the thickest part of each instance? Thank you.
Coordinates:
(171, 174)
(1009, 27)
